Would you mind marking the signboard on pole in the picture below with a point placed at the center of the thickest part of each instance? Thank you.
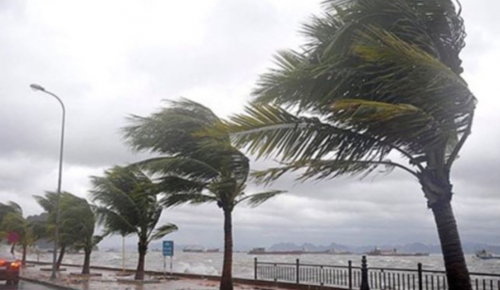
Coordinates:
(168, 248)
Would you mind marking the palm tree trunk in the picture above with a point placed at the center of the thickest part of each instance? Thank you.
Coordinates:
(227, 276)
(61, 256)
(25, 249)
(86, 262)
(143, 248)
(454, 260)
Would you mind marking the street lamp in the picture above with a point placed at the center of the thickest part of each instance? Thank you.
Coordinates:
(36, 87)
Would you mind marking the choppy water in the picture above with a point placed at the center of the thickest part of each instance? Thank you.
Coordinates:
(211, 263)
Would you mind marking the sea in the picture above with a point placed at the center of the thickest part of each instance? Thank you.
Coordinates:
(243, 263)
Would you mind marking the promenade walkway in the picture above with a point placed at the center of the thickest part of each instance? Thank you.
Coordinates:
(110, 281)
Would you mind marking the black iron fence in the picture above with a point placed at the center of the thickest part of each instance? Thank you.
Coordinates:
(364, 278)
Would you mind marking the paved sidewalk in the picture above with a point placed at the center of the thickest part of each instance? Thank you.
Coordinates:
(70, 279)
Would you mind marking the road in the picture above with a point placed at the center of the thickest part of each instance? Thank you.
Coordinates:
(23, 285)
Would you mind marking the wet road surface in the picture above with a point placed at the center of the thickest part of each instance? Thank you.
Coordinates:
(23, 285)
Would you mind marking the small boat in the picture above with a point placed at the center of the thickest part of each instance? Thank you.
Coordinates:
(214, 250)
(485, 255)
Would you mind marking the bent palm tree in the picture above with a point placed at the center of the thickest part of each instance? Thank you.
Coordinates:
(76, 214)
(67, 234)
(376, 77)
(128, 204)
(197, 168)
(27, 230)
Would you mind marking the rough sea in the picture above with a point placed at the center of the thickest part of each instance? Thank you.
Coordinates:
(211, 263)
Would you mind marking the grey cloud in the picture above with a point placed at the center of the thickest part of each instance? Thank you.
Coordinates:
(115, 74)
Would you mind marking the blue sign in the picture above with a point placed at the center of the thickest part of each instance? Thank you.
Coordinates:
(168, 248)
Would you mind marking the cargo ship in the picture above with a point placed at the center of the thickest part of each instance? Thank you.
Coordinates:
(394, 253)
(262, 251)
(193, 249)
(197, 249)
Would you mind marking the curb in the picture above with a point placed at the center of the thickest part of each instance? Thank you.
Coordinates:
(45, 283)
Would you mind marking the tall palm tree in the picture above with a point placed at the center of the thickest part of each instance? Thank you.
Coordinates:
(127, 203)
(376, 77)
(27, 230)
(77, 214)
(195, 167)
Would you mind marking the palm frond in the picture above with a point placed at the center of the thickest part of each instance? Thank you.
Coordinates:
(321, 169)
(179, 166)
(171, 200)
(257, 199)
(162, 231)
(266, 130)
(96, 240)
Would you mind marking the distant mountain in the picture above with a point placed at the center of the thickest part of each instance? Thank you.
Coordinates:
(307, 247)
(469, 248)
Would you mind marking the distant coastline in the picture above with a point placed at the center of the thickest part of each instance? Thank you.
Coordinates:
(469, 248)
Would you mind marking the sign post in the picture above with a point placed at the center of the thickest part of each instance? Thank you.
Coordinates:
(168, 250)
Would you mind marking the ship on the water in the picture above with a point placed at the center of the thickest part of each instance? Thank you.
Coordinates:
(197, 249)
(485, 255)
(193, 249)
(394, 253)
(262, 251)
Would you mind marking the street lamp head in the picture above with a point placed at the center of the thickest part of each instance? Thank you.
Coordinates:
(36, 87)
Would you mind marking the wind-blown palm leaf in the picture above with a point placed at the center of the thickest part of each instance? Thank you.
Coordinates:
(114, 222)
(179, 166)
(321, 169)
(184, 117)
(162, 231)
(10, 207)
(48, 201)
(97, 239)
(266, 130)
(257, 199)
(187, 197)
(175, 184)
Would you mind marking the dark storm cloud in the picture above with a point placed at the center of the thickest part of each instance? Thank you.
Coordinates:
(127, 61)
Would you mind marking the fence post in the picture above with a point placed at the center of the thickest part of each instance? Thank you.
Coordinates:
(350, 274)
(364, 275)
(255, 268)
(297, 270)
(420, 280)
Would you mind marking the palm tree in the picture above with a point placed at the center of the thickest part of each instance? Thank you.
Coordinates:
(28, 231)
(67, 234)
(76, 214)
(127, 203)
(196, 168)
(376, 77)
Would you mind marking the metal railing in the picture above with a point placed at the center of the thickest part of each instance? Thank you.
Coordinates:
(351, 277)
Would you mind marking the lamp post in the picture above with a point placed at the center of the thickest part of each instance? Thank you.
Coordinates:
(58, 196)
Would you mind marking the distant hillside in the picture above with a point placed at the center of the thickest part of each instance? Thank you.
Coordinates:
(469, 248)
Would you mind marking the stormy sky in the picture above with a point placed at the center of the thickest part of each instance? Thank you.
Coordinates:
(109, 59)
